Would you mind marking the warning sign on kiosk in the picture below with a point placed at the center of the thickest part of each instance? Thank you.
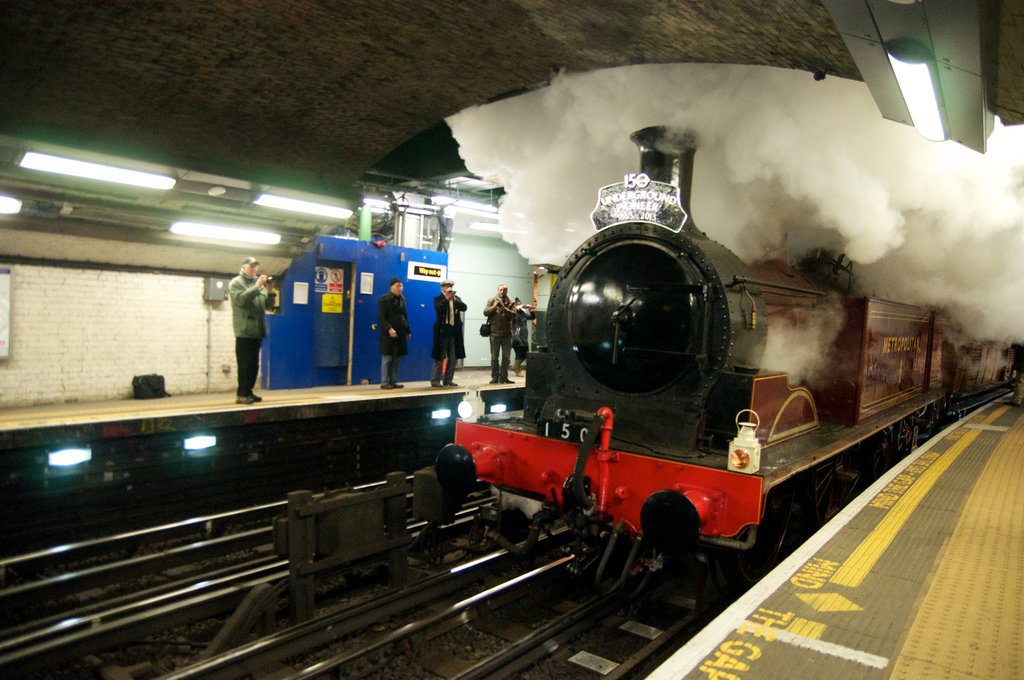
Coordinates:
(331, 303)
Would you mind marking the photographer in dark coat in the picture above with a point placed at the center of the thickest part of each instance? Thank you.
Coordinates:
(521, 333)
(394, 334)
(448, 344)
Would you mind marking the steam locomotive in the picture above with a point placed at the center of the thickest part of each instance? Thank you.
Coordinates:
(650, 412)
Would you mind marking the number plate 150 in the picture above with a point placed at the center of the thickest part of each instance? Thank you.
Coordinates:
(556, 429)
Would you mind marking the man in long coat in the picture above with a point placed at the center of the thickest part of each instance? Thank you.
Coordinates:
(394, 334)
(449, 345)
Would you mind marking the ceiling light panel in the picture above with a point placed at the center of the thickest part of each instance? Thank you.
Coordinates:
(301, 206)
(222, 232)
(104, 173)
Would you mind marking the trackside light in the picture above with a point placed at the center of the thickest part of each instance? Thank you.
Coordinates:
(199, 442)
(69, 457)
(441, 414)
(9, 205)
(104, 173)
(498, 408)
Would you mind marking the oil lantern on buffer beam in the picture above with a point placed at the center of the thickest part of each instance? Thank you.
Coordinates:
(745, 449)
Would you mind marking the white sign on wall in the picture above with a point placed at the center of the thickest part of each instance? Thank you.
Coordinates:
(5, 313)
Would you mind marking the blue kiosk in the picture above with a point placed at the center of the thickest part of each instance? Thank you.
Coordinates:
(326, 330)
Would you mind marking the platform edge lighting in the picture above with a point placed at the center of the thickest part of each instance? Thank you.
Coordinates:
(918, 89)
(9, 205)
(60, 165)
(69, 457)
(223, 232)
(300, 206)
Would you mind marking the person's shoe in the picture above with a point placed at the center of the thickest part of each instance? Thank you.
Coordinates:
(451, 384)
(508, 382)
(245, 400)
(493, 382)
(255, 397)
(434, 384)
(387, 386)
(397, 386)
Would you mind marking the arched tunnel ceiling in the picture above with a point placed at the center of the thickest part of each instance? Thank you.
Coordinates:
(313, 94)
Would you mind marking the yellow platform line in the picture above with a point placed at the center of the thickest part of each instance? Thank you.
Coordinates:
(862, 560)
(969, 622)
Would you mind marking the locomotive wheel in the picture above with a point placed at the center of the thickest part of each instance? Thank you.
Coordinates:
(744, 568)
(830, 486)
(877, 456)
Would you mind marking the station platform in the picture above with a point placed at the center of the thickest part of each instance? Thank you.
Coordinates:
(20, 418)
(922, 576)
(74, 471)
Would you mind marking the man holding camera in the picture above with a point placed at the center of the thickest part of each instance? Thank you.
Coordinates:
(250, 299)
(501, 311)
(449, 345)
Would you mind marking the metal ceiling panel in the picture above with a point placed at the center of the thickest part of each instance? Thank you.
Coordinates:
(967, 118)
(955, 27)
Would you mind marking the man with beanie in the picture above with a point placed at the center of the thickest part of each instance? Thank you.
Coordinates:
(394, 334)
(449, 345)
(249, 302)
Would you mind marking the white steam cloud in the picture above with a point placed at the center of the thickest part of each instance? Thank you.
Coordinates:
(779, 157)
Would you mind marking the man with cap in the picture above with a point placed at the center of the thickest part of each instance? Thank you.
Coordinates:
(250, 299)
(394, 334)
(448, 343)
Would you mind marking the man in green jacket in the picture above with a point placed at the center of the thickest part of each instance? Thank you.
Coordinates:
(249, 301)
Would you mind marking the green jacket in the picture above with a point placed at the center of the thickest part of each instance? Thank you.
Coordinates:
(248, 307)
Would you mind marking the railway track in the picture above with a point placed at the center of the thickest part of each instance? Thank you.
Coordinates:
(74, 600)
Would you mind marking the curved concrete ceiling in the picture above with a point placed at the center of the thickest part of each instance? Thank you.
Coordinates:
(314, 94)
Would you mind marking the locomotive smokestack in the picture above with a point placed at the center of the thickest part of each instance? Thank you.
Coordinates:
(667, 158)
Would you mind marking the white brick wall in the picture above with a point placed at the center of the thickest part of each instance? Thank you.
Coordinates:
(81, 334)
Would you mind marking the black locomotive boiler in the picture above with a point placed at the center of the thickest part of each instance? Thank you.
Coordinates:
(650, 410)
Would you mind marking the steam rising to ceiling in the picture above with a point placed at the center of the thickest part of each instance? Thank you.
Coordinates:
(784, 164)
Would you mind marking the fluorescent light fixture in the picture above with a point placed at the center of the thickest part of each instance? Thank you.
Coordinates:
(225, 233)
(296, 205)
(199, 442)
(451, 210)
(442, 200)
(474, 205)
(69, 457)
(104, 173)
(9, 205)
(419, 210)
(498, 408)
(441, 414)
(465, 410)
(915, 81)
(377, 203)
(490, 226)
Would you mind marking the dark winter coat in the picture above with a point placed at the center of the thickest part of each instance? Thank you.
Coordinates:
(500, 312)
(1018, 357)
(391, 314)
(441, 310)
(521, 328)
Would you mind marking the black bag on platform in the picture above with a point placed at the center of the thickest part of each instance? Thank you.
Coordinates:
(149, 386)
(485, 329)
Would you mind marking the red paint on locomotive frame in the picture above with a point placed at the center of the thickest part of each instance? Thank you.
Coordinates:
(621, 481)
